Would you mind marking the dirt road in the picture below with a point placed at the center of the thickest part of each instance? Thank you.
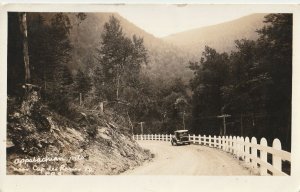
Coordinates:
(187, 160)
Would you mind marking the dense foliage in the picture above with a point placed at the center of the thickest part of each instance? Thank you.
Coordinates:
(252, 84)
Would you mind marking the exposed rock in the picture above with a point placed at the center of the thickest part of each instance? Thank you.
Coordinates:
(94, 147)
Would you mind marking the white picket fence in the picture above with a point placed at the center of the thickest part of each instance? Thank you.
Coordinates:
(255, 155)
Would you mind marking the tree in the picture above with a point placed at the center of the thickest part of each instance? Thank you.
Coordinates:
(23, 28)
(82, 83)
(40, 58)
(15, 65)
(120, 57)
(181, 104)
(49, 47)
(112, 53)
(275, 45)
(254, 84)
(210, 76)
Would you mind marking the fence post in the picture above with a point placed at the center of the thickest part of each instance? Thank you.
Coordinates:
(276, 159)
(199, 139)
(230, 144)
(227, 143)
(170, 137)
(238, 147)
(223, 141)
(219, 142)
(242, 147)
(247, 141)
(263, 156)
(204, 140)
(234, 146)
(253, 153)
(209, 141)
(194, 139)
(215, 142)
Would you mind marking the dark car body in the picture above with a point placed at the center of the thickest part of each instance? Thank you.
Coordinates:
(180, 137)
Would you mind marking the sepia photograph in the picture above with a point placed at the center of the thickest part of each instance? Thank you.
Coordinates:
(177, 90)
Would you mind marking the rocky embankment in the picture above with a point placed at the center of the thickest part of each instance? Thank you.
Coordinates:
(42, 142)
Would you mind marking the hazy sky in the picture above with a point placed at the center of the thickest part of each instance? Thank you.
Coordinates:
(168, 19)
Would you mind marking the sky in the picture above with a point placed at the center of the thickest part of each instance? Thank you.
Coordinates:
(169, 19)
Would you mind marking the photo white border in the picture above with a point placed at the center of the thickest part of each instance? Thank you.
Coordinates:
(149, 183)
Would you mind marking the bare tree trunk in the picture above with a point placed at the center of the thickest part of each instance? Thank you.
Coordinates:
(130, 122)
(23, 28)
(118, 86)
(32, 92)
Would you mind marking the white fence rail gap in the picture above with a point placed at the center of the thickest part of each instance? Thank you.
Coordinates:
(254, 154)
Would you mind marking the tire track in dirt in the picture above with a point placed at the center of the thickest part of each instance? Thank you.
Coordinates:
(187, 160)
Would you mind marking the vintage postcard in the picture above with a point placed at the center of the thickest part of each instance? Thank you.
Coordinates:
(170, 92)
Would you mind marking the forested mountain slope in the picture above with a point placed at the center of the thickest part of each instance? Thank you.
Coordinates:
(220, 36)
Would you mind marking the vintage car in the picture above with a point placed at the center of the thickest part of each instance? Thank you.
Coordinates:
(180, 137)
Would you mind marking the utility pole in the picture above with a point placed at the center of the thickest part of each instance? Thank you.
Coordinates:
(142, 130)
(224, 121)
(183, 120)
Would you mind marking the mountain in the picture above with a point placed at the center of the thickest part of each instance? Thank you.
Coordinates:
(166, 61)
(168, 57)
(220, 36)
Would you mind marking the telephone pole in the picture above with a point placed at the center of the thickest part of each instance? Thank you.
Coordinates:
(142, 130)
(183, 120)
(224, 116)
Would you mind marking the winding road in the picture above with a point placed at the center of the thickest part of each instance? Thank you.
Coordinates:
(187, 160)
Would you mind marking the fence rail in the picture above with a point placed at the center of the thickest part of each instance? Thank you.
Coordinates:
(257, 156)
